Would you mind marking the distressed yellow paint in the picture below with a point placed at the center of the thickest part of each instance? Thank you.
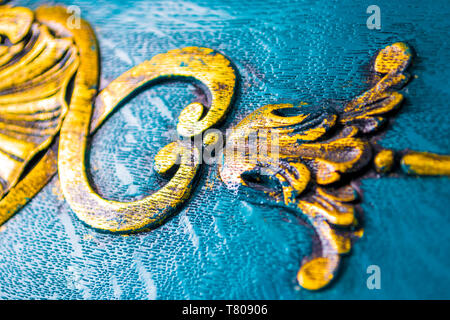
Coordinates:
(33, 83)
(26, 188)
(384, 160)
(205, 65)
(211, 138)
(15, 22)
(306, 167)
(426, 164)
(167, 157)
(315, 274)
(45, 101)
(367, 111)
(291, 149)
(393, 58)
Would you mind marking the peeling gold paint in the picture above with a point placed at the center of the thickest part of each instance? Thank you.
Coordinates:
(315, 274)
(426, 164)
(367, 111)
(309, 168)
(35, 69)
(33, 85)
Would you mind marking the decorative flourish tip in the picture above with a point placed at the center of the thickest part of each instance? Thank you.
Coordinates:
(426, 164)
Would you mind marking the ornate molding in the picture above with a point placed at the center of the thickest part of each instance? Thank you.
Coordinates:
(315, 149)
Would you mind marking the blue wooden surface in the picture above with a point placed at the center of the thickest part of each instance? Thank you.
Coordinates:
(221, 246)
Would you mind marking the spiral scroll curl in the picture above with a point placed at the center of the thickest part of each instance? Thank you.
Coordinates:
(316, 149)
(37, 62)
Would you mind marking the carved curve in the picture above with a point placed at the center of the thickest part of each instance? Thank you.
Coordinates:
(315, 149)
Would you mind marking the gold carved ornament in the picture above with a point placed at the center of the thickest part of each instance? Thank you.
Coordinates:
(209, 67)
(316, 148)
(36, 65)
(318, 152)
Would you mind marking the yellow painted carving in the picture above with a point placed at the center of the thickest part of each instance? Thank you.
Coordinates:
(36, 66)
(426, 164)
(206, 66)
(299, 157)
(310, 150)
(315, 274)
(367, 110)
(384, 160)
(15, 23)
(203, 64)
(29, 186)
